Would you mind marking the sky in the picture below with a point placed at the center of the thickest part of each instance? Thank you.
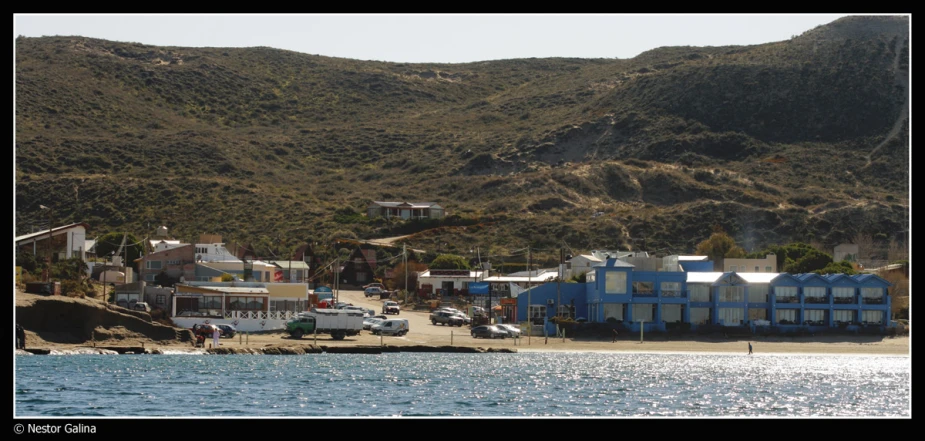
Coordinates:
(431, 38)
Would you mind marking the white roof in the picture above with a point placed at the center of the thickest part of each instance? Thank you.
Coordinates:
(472, 274)
(699, 277)
(518, 279)
(692, 258)
(589, 257)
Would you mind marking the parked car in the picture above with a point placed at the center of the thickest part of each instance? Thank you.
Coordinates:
(228, 331)
(512, 331)
(390, 307)
(381, 316)
(372, 291)
(447, 318)
(141, 306)
(370, 322)
(397, 327)
(488, 331)
(374, 285)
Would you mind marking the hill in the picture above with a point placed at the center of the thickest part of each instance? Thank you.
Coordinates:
(805, 139)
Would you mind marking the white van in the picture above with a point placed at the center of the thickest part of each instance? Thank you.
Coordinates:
(396, 327)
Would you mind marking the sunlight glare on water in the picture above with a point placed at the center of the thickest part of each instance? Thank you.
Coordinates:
(495, 384)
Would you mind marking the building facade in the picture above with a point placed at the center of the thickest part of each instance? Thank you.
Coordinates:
(665, 300)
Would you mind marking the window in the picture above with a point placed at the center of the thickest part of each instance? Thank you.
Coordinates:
(643, 288)
(871, 293)
(591, 276)
(153, 264)
(700, 293)
(757, 269)
(813, 316)
(842, 292)
(757, 314)
(731, 294)
(613, 310)
(843, 316)
(173, 262)
(732, 268)
(758, 293)
(742, 268)
(814, 291)
(537, 313)
(643, 311)
(671, 313)
(786, 316)
(874, 317)
(767, 269)
(731, 316)
(160, 299)
(565, 311)
(700, 316)
(671, 289)
(615, 282)
(785, 294)
(211, 302)
(246, 304)
(149, 277)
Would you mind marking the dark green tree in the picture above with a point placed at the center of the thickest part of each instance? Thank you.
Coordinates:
(811, 261)
(842, 267)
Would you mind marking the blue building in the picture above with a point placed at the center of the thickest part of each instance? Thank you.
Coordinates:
(690, 295)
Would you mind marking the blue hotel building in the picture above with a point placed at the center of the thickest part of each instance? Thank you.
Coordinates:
(692, 293)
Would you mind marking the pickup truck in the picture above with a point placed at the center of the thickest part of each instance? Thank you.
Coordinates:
(339, 323)
(390, 307)
(447, 318)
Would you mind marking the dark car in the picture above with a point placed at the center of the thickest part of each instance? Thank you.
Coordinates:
(372, 291)
(228, 331)
(488, 331)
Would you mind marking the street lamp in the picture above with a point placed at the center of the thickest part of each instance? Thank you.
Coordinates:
(47, 272)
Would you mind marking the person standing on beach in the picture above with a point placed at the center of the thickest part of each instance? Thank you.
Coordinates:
(749, 348)
(216, 333)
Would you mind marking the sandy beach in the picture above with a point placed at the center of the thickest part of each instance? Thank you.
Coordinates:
(424, 333)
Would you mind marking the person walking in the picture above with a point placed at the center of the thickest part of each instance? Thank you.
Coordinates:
(216, 333)
(749, 348)
(20, 337)
(614, 336)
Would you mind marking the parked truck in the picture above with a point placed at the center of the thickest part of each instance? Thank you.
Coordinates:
(339, 323)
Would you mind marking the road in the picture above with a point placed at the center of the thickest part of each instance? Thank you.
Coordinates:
(422, 331)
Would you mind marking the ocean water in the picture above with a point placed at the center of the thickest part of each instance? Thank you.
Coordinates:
(532, 384)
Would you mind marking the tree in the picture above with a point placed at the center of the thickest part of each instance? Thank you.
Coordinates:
(719, 246)
(450, 261)
(811, 261)
(398, 274)
(843, 267)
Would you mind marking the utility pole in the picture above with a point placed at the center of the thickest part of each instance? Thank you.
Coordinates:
(47, 272)
(336, 271)
(559, 282)
(529, 276)
(404, 258)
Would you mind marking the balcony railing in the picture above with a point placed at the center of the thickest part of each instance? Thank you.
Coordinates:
(644, 294)
(788, 300)
(816, 300)
(672, 294)
(843, 300)
(873, 300)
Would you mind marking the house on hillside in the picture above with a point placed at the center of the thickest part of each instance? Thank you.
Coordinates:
(360, 267)
(60, 243)
(766, 265)
(405, 210)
